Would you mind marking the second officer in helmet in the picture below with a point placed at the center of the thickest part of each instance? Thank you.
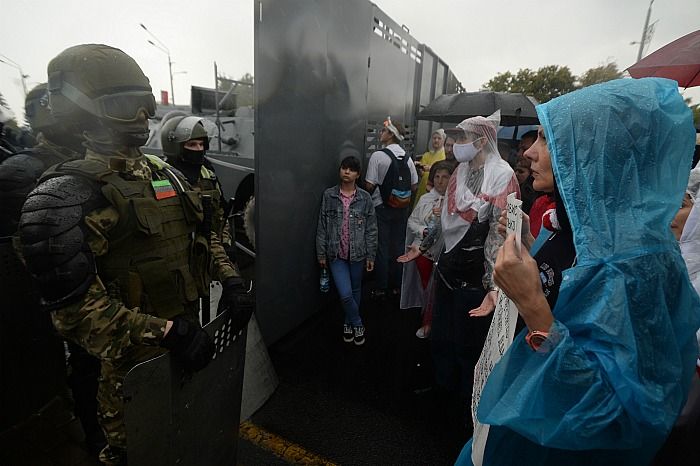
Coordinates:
(185, 141)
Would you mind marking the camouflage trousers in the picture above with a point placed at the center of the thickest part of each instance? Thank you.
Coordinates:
(110, 399)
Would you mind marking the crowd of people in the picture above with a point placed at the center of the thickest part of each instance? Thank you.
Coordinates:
(604, 347)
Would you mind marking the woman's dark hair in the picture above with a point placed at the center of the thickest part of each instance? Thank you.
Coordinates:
(441, 165)
(351, 162)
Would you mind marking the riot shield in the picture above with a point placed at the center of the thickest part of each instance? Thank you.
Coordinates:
(187, 419)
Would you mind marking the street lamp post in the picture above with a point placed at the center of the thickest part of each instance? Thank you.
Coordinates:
(15, 65)
(645, 33)
(163, 48)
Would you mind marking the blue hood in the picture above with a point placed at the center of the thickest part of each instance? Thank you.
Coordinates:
(621, 153)
(622, 349)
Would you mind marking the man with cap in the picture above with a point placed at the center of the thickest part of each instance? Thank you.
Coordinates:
(387, 169)
(114, 240)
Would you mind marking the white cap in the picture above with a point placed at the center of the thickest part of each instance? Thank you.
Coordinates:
(388, 125)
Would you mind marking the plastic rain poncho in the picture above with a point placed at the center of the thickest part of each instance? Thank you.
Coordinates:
(463, 206)
(609, 384)
(412, 292)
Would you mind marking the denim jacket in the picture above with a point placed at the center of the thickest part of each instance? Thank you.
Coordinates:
(363, 226)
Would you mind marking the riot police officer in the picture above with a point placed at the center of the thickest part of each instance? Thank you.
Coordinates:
(113, 239)
(31, 354)
(185, 141)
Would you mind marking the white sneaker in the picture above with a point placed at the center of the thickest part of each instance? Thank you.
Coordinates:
(359, 335)
(423, 332)
(347, 333)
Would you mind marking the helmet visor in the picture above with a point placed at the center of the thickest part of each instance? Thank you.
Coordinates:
(123, 107)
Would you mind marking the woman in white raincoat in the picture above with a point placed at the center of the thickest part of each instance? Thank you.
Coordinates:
(417, 275)
(476, 195)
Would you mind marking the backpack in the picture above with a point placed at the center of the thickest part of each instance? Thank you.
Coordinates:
(396, 186)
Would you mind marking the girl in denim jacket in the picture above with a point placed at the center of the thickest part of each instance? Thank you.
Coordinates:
(346, 242)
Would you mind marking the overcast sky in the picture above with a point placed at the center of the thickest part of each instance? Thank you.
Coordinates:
(476, 38)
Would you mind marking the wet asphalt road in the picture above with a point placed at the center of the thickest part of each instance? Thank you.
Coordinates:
(372, 404)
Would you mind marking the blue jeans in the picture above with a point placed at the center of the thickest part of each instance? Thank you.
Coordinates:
(391, 224)
(347, 277)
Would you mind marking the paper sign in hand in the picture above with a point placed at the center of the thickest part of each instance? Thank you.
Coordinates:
(514, 218)
(499, 338)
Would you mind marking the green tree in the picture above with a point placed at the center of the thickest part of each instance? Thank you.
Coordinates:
(600, 74)
(544, 84)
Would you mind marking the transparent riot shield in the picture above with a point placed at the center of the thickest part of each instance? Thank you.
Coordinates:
(187, 419)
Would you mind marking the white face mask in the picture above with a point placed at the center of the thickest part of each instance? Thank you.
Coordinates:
(465, 152)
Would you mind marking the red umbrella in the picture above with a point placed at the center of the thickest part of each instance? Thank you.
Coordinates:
(679, 60)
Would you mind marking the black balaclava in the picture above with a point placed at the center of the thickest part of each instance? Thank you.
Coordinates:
(190, 164)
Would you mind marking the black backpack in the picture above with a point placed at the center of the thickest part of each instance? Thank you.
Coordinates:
(396, 187)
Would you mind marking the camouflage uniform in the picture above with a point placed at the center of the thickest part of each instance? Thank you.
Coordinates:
(221, 238)
(110, 321)
(185, 141)
(112, 240)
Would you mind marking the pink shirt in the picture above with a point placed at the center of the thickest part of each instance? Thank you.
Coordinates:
(344, 251)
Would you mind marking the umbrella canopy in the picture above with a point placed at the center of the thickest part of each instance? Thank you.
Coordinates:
(516, 109)
(679, 60)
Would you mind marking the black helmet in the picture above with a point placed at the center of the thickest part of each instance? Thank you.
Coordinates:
(177, 130)
(100, 80)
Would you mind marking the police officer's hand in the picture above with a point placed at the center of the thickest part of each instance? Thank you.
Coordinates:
(189, 344)
(238, 297)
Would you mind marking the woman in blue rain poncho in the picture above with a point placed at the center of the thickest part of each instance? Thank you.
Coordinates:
(598, 376)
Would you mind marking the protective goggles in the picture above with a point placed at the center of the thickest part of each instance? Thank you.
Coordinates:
(123, 107)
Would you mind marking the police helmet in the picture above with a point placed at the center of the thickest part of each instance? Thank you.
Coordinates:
(36, 109)
(176, 131)
(100, 80)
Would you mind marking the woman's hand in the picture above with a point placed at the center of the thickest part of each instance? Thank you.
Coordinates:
(525, 236)
(487, 305)
(322, 263)
(369, 266)
(518, 276)
(412, 254)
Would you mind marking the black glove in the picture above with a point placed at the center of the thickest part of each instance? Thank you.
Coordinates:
(189, 344)
(238, 298)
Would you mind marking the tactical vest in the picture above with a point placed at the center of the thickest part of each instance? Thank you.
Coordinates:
(208, 186)
(157, 259)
